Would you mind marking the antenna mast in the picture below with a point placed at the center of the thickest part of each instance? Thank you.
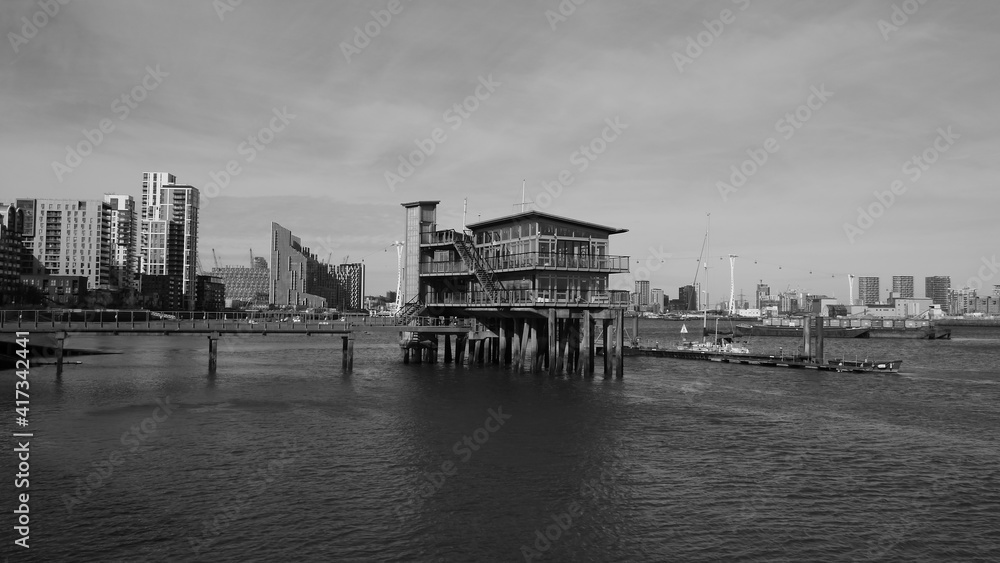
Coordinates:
(732, 284)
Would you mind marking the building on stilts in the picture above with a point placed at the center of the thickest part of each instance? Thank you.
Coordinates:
(536, 286)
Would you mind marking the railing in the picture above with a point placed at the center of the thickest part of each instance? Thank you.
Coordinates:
(534, 260)
(443, 237)
(531, 297)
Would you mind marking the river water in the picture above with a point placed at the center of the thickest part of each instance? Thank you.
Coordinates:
(142, 456)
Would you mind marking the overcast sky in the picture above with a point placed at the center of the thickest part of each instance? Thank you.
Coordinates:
(666, 97)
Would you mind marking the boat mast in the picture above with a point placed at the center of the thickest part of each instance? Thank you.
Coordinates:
(732, 284)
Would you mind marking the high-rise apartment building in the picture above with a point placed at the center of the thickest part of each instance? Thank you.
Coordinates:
(656, 299)
(297, 277)
(762, 295)
(868, 290)
(11, 229)
(688, 297)
(642, 293)
(70, 238)
(903, 285)
(168, 243)
(936, 289)
(124, 240)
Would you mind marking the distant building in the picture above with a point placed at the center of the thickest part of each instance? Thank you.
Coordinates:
(656, 299)
(350, 287)
(790, 302)
(56, 289)
(688, 297)
(868, 290)
(162, 293)
(210, 293)
(762, 295)
(899, 308)
(168, 243)
(642, 293)
(936, 288)
(903, 285)
(11, 248)
(246, 287)
(961, 301)
(71, 238)
(124, 240)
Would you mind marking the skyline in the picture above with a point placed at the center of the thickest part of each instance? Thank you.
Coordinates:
(299, 115)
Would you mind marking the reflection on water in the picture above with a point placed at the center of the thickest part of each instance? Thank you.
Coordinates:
(688, 461)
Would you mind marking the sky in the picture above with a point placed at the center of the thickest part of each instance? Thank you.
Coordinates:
(811, 139)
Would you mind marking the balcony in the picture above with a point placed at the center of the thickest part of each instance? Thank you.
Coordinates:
(442, 237)
(612, 299)
(535, 261)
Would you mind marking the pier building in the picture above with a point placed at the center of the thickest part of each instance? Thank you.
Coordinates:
(537, 284)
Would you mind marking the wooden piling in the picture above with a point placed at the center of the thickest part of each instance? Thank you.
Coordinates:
(502, 353)
(60, 342)
(525, 335)
(213, 351)
(620, 348)
(552, 343)
(807, 337)
(588, 344)
(350, 352)
(606, 336)
(447, 348)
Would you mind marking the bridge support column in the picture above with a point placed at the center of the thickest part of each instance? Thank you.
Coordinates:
(60, 342)
(447, 348)
(213, 352)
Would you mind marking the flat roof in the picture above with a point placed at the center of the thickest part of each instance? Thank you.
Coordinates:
(543, 215)
(424, 202)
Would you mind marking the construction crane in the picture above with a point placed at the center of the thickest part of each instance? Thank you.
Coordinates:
(216, 258)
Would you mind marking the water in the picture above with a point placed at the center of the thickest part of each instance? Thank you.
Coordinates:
(282, 457)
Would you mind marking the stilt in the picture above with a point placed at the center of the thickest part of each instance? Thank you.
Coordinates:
(807, 338)
(460, 348)
(502, 353)
(406, 355)
(447, 348)
(620, 348)
(60, 342)
(819, 341)
(515, 346)
(525, 335)
(213, 351)
(560, 335)
(606, 336)
(588, 344)
(536, 347)
(552, 332)
(488, 353)
(635, 327)
(577, 341)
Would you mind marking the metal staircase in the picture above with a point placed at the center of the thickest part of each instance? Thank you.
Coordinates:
(479, 268)
(409, 310)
